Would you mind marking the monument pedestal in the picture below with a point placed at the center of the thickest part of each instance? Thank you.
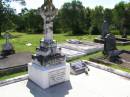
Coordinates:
(48, 76)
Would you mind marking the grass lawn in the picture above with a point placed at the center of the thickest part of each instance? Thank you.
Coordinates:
(21, 39)
(12, 75)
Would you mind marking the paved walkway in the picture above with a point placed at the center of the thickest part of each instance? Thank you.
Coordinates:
(98, 83)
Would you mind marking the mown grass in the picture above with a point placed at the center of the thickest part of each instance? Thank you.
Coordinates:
(12, 75)
(21, 39)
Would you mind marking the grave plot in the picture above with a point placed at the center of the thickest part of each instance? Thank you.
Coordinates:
(71, 53)
(111, 54)
(15, 62)
(75, 50)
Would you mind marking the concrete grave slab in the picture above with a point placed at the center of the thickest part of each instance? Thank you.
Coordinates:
(75, 50)
(98, 83)
(87, 47)
(71, 53)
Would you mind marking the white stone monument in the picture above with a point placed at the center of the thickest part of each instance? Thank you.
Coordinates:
(49, 65)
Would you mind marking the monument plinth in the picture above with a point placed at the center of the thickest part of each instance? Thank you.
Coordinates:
(49, 65)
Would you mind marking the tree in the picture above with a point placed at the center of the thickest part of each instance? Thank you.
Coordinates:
(121, 14)
(118, 13)
(29, 21)
(108, 15)
(88, 18)
(1, 15)
(73, 17)
(125, 25)
(97, 19)
(6, 14)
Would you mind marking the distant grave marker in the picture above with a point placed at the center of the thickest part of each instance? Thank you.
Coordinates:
(105, 29)
(7, 48)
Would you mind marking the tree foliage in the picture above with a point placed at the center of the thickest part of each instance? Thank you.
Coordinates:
(72, 17)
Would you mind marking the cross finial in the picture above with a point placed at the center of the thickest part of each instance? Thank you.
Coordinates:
(7, 36)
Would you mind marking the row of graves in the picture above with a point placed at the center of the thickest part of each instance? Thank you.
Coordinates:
(49, 72)
(123, 40)
(71, 49)
(111, 54)
(49, 66)
(50, 58)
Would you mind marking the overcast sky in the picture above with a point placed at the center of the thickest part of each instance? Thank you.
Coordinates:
(33, 4)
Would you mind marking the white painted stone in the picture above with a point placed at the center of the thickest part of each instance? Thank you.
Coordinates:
(48, 76)
(71, 53)
(87, 48)
(98, 83)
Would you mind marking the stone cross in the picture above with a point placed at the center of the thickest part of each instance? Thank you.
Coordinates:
(48, 12)
(105, 29)
(7, 36)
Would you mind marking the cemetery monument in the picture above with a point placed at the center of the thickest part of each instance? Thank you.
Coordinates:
(7, 48)
(105, 31)
(111, 54)
(49, 65)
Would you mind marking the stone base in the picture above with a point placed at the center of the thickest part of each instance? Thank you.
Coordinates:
(48, 76)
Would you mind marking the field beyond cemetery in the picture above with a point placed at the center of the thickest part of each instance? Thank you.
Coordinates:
(21, 41)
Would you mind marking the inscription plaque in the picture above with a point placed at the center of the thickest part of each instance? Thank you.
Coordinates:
(57, 76)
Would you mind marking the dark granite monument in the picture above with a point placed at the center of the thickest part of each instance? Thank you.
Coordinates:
(110, 49)
(7, 48)
(110, 52)
(105, 31)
